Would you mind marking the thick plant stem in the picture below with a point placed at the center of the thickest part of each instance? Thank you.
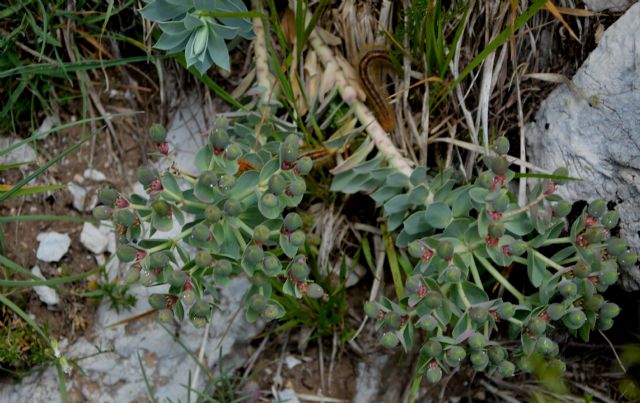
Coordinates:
(263, 74)
(364, 115)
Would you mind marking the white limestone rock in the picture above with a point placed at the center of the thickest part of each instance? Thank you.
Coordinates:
(93, 239)
(53, 246)
(46, 294)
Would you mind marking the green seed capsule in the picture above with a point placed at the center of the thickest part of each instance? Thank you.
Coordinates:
(271, 312)
(198, 323)
(581, 270)
(371, 309)
(292, 222)
(445, 250)
(126, 253)
(537, 325)
(431, 349)
(223, 267)
(161, 207)
(158, 301)
(604, 323)
(477, 341)
(107, 196)
(131, 276)
(157, 133)
(593, 303)
(610, 219)
(208, 179)
(525, 365)
(271, 265)
(203, 259)
(304, 165)
(416, 249)
(556, 367)
(261, 234)
(501, 203)
(627, 259)
(188, 297)
(609, 310)
(146, 175)
(232, 207)
(393, 320)
(277, 184)
(517, 247)
(233, 152)
(586, 288)
(200, 232)
(177, 278)
(254, 254)
(597, 208)
(297, 238)
(389, 340)
(434, 374)
(124, 217)
(213, 214)
(608, 278)
(485, 180)
(556, 311)
(506, 369)
(269, 200)
(501, 145)
(433, 299)
(454, 356)
(479, 360)
(506, 310)
(452, 274)
(574, 319)
(158, 260)
(561, 208)
(147, 278)
(594, 235)
(226, 182)
(299, 268)
(496, 230)
(568, 289)
(201, 309)
(258, 302)
(165, 315)
(616, 246)
(297, 188)
(413, 284)
(478, 315)
(219, 138)
(497, 354)
(498, 165)
(289, 149)
(546, 346)
(562, 171)
(101, 212)
(428, 323)
(314, 291)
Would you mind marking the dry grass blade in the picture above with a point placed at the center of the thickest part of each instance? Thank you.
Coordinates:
(556, 13)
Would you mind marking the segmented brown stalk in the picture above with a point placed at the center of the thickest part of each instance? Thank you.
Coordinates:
(376, 95)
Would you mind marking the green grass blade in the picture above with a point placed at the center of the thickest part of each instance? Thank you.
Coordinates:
(150, 392)
(43, 217)
(28, 190)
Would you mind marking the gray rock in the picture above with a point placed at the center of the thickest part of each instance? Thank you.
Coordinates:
(79, 195)
(599, 140)
(46, 294)
(23, 153)
(608, 5)
(93, 239)
(53, 245)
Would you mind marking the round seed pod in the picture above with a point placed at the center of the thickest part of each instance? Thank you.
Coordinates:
(501, 145)
(261, 234)
(158, 301)
(232, 207)
(146, 175)
(208, 179)
(107, 196)
(126, 253)
(177, 278)
(561, 208)
(254, 254)
(297, 188)
(501, 203)
(219, 139)
(201, 309)
(124, 217)
(223, 267)
(454, 356)
(188, 297)
(498, 165)
(277, 184)
(297, 238)
(546, 346)
(556, 311)
(610, 219)
(161, 207)
(609, 310)
(506, 310)
(445, 250)
(271, 312)
(292, 222)
(479, 360)
(158, 260)
(604, 323)
(497, 354)
(233, 152)
(477, 341)
(593, 303)
(517, 247)
(586, 288)
(616, 246)
(556, 366)
(157, 133)
(131, 276)
(431, 349)
(165, 315)
(434, 374)
(258, 302)
(478, 315)
(200, 232)
(574, 319)
(416, 249)
(314, 291)
(627, 259)
(496, 230)
(525, 365)
(506, 369)
(562, 171)
(433, 299)
(485, 180)
(101, 212)
(389, 340)
(203, 259)
(371, 309)
(269, 200)
(393, 320)
(581, 270)
(147, 278)
(271, 265)
(299, 269)
(212, 214)
(428, 323)
(198, 323)
(597, 208)
(289, 149)
(594, 235)
(226, 182)
(452, 274)
(608, 277)
(567, 288)
(304, 165)
(413, 284)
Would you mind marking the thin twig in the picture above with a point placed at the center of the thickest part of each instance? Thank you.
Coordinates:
(615, 353)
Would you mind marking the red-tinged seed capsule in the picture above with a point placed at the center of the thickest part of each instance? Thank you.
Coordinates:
(413, 284)
(146, 175)
(261, 234)
(445, 250)
(393, 320)
(416, 249)
(304, 165)
(107, 196)
(101, 212)
(219, 139)
(177, 278)
(124, 217)
(126, 253)
(434, 374)
(289, 149)
(501, 145)
(188, 297)
(157, 133)
(292, 222)
(203, 259)
(296, 188)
